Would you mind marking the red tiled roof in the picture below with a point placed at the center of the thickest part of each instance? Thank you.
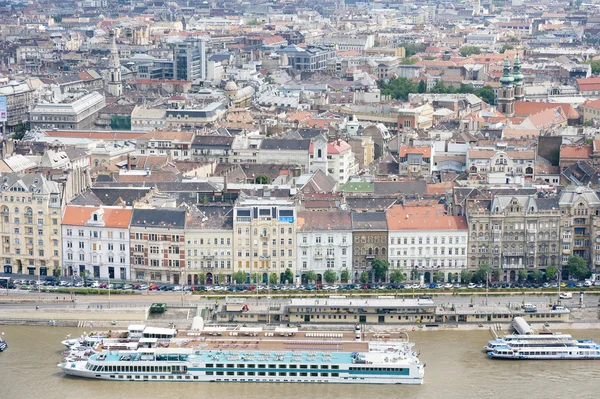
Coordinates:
(113, 217)
(424, 151)
(526, 108)
(430, 218)
(575, 151)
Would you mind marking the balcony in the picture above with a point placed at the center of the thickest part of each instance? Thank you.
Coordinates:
(264, 256)
(318, 256)
(304, 245)
(370, 256)
(512, 267)
(516, 253)
(330, 256)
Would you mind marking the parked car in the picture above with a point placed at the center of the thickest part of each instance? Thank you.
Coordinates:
(472, 285)
(565, 295)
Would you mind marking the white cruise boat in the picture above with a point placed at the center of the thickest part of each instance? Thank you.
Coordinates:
(546, 349)
(510, 338)
(262, 357)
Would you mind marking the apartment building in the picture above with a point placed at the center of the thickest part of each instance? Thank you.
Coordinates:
(370, 242)
(514, 232)
(580, 225)
(426, 238)
(175, 145)
(31, 211)
(264, 237)
(157, 244)
(209, 245)
(95, 242)
(72, 114)
(324, 243)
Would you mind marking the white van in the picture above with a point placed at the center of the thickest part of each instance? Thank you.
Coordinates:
(565, 295)
(530, 308)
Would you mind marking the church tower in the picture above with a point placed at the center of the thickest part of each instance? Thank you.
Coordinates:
(476, 8)
(506, 92)
(115, 86)
(518, 79)
(319, 155)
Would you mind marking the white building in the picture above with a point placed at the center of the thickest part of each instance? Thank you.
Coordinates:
(425, 238)
(335, 159)
(95, 242)
(324, 243)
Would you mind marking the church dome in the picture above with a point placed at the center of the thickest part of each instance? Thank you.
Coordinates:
(231, 86)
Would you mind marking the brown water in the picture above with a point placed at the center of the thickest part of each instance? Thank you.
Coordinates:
(456, 368)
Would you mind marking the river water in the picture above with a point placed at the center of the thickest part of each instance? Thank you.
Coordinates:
(456, 368)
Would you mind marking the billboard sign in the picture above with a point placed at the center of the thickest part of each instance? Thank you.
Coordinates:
(3, 113)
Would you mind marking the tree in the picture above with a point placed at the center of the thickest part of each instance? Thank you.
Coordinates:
(496, 274)
(220, 279)
(409, 61)
(486, 93)
(422, 87)
(262, 179)
(56, 272)
(311, 276)
(254, 278)
(396, 276)
(438, 277)
(465, 275)
(345, 276)
(364, 278)
(273, 278)
(239, 277)
(578, 268)
(380, 268)
(288, 276)
(397, 88)
(201, 277)
(482, 274)
(522, 275)
(414, 274)
(595, 64)
(57, 19)
(506, 47)
(413, 48)
(330, 276)
(551, 272)
(537, 275)
(466, 51)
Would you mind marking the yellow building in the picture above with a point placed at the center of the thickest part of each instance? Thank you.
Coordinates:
(209, 237)
(31, 210)
(264, 237)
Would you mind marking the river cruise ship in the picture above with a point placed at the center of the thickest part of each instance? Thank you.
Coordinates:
(547, 349)
(512, 338)
(261, 356)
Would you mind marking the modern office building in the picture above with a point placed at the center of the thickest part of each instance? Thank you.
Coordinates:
(189, 59)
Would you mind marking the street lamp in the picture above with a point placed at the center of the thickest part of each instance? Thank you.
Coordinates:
(487, 279)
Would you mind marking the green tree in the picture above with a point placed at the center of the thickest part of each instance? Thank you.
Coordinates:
(578, 268)
(413, 48)
(380, 268)
(438, 277)
(422, 87)
(551, 272)
(56, 272)
(262, 179)
(364, 278)
(273, 278)
(486, 93)
(239, 277)
(201, 277)
(465, 275)
(496, 274)
(595, 64)
(466, 51)
(396, 276)
(397, 88)
(254, 22)
(254, 278)
(506, 47)
(482, 274)
(57, 19)
(537, 275)
(220, 279)
(409, 61)
(522, 275)
(288, 276)
(311, 276)
(345, 276)
(414, 274)
(330, 276)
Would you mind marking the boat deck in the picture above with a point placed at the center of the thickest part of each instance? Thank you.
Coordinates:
(297, 342)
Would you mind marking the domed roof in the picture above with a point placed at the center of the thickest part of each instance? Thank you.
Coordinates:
(231, 86)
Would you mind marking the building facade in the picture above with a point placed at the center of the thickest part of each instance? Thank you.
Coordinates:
(31, 211)
(324, 243)
(189, 59)
(369, 242)
(95, 242)
(79, 114)
(514, 232)
(209, 245)
(264, 237)
(425, 238)
(157, 244)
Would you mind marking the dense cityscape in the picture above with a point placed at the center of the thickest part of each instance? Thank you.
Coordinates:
(333, 193)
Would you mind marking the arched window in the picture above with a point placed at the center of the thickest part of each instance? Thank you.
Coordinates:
(319, 153)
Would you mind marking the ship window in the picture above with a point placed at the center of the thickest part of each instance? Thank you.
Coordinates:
(219, 373)
(293, 374)
(262, 366)
(335, 367)
(230, 373)
(282, 366)
(209, 373)
(229, 365)
(219, 365)
(314, 374)
(210, 365)
(272, 373)
(314, 366)
(303, 374)
(282, 373)
(250, 366)
(251, 373)
(293, 366)
(303, 366)
(261, 373)
(324, 374)
(241, 373)
(325, 366)
(272, 366)
(241, 366)
(335, 374)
